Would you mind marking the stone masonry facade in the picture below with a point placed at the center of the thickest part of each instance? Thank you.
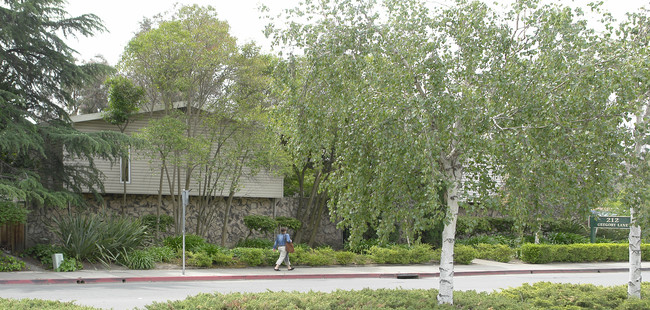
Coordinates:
(40, 219)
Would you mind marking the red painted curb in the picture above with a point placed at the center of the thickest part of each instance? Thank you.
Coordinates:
(302, 276)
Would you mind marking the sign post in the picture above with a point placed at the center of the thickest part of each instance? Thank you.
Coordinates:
(615, 222)
(186, 200)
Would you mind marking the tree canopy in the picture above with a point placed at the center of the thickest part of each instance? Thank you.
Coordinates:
(438, 106)
(37, 74)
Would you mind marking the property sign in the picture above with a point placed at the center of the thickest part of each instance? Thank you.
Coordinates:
(617, 222)
(620, 222)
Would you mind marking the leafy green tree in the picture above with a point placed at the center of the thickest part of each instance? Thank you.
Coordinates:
(185, 58)
(238, 134)
(123, 101)
(37, 72)
(92, 95)
(163, 140)
(192, 58)
(308, 134)
(631, 50)
(428, 104)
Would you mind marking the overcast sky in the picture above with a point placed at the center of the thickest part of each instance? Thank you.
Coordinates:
(122, 17)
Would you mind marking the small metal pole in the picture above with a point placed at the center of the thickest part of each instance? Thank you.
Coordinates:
(185, 198)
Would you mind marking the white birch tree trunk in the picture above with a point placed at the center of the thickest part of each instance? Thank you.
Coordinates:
(454, 174)
(634, 285)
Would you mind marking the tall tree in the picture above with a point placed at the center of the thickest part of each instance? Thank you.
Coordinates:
(308, 132)
(123, 101)
(431, 101)
(184, 58)
(633, 82)
(192, 58)
(37, 72)
(92, 95)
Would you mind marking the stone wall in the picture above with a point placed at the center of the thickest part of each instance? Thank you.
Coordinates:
(40, 219)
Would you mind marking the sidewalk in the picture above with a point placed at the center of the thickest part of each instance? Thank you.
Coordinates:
(478, 267)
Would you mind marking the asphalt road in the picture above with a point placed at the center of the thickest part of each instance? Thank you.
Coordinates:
(138, 295)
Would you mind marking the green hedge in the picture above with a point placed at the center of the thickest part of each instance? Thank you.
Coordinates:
(576, 253)
(542, 295)
(496, 252)
(538, 296)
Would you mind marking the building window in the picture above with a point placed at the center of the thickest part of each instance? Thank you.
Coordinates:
(125, 168)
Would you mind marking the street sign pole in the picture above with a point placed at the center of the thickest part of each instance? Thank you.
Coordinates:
(186, 199)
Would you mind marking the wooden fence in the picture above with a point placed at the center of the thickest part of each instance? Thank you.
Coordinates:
(12, 237)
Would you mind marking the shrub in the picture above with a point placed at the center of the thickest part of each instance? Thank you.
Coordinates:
(222, 259)
(566, 238)
(69, 264)
(402, 254)
(258, 243)
(472, 225)
(288, 222)
(361, 260)
(536, 253)
(138, 260)
(250, 256)
(464, 254)
(199, 259)
(317, 257)
(501, 225)
(496, 252)
(420, 253)
(564, 226)
(163, 254)
(8, 263)
(43, 253)
(193, 243)
(542, 295)
(588, 252)
(28, 303)
(11, 212)
(90, 237)
(489, 239)
(120, 235)
(262, 223)
(614, 234)
(388, 255)
(362, 247)
(344, 257)
(80, 235)
(211, 249)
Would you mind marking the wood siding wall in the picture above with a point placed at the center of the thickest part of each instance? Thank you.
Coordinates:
(145, 171)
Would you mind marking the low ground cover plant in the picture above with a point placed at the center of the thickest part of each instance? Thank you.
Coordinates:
(542, 295)
(43, 253)
(26, 304)
(8, 263)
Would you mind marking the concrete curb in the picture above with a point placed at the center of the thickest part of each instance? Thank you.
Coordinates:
(412, 275)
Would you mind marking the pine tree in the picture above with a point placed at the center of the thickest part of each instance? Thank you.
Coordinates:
(37, 72)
